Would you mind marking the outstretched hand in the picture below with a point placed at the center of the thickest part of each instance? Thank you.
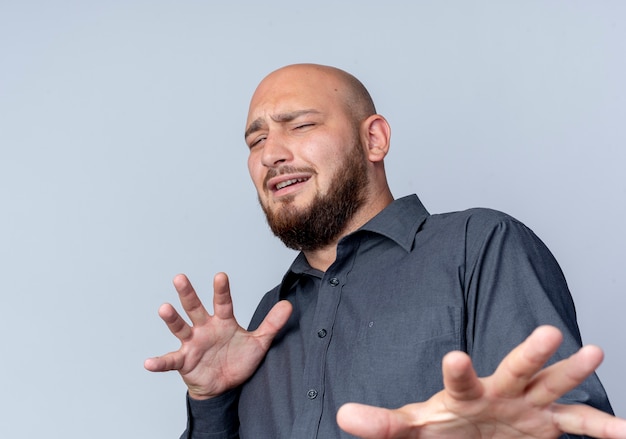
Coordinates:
(518, 400)
(216, 353)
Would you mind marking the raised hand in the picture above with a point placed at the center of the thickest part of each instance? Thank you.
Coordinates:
(216, 353)
(517, 401)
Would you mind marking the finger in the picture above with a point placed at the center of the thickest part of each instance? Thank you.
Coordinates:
(553, 382)
(273, 322)
(368, 422)
(585, 420)
(519, 367)
(459, 377)
(171, 361)
(190, 301)
(176, 324)
(222, 300)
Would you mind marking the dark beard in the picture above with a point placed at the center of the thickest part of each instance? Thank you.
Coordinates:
(319, 224)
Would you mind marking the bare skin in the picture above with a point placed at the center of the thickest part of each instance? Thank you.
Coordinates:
(314, 136)
(217, 354)
(517, 401)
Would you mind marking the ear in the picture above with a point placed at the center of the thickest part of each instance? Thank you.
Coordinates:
(376, 137)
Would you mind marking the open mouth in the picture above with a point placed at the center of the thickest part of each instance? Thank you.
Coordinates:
(286, 181)
(290, 182)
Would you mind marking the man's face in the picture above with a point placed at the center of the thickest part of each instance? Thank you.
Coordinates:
(306, 160)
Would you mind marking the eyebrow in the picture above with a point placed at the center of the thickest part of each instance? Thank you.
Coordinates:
(259, 123)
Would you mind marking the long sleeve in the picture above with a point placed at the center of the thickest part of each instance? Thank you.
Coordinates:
(214, 418)
(513, 285)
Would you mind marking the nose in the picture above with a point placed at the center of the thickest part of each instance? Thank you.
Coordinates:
(275, 151)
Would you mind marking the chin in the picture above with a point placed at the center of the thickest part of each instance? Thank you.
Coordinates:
(291, 201)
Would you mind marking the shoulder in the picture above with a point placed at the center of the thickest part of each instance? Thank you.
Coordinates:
(480, 228)
(476, 222)
(479, 216)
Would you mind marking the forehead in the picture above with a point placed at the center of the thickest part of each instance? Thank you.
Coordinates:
(295, 90)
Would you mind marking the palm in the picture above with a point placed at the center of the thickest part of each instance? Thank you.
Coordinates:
(216, 353)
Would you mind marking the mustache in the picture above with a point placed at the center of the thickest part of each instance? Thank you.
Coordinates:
(275, 172)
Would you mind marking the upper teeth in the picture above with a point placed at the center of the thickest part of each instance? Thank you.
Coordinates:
(286, 183)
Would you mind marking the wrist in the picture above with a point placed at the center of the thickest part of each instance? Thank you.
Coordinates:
(199, 396)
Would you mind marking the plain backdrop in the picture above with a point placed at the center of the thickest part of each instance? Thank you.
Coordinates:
(122, 163)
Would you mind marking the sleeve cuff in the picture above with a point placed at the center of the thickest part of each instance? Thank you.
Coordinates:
(214, 418)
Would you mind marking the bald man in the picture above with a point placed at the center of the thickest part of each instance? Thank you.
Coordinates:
(351, 342)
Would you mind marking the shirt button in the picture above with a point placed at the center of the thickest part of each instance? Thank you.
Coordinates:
(322, 333)
(311, 394)
(334, 281)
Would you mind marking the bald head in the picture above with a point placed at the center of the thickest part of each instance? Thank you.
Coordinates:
(355, 95)
(332, 82)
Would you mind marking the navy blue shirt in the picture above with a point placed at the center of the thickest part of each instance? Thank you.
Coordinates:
(405, 289)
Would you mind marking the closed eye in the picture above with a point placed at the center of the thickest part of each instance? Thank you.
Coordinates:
(303, 125)
(255, 142)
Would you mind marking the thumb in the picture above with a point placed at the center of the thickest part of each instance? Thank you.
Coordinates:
(274, 322)
(368, 422)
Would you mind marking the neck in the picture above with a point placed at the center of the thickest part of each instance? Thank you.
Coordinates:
(321, 259)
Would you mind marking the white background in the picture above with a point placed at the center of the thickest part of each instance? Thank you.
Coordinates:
(122, 163)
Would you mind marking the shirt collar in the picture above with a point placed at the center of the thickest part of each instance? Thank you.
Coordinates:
(399, 222)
